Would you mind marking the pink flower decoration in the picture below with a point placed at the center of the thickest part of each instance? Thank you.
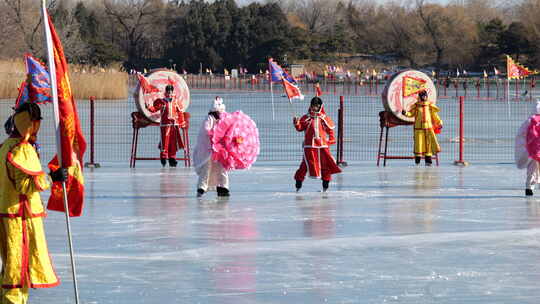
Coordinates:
(235, 141)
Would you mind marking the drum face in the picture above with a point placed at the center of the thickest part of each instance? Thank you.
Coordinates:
(392, 96)
(160, 78)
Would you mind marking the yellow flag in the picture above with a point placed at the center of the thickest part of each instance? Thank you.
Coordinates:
(412, 85)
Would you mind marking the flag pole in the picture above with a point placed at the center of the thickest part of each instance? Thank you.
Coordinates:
(293, 111)
(272, 94)
(508, 96)
(54, 90)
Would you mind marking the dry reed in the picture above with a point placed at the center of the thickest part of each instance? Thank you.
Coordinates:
(86, 81)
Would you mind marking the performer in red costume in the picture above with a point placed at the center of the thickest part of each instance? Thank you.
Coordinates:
(319, 135)
(172, 119)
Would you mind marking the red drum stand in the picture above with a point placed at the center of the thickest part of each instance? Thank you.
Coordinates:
(387, 121)
(139, 121)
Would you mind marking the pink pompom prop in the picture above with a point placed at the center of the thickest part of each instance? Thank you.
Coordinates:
(235, 141)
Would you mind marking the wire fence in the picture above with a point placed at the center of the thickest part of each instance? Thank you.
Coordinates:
(480, 88)
(490, 126)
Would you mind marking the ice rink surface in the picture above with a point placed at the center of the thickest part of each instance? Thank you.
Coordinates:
(399, 234)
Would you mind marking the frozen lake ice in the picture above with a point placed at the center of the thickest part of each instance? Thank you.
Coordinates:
(399, 234)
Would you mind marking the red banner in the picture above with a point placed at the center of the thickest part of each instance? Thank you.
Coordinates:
(516, 70)
(73, 144)
(145, 85)
(291, 90)
(318, 91)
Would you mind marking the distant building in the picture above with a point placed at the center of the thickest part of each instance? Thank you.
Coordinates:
(297, 70)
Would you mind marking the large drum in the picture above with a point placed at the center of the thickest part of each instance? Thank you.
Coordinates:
(160, 78)
(401, 92)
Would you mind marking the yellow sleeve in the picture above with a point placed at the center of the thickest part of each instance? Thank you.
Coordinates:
(27, 184)
(436, 120)
(412, 112)
(24, 168)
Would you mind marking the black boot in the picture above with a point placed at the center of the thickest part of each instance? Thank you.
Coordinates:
(528, 192)
(298, 185)
(417, 160)
(325, 185)
(200, 192)
(222, 191)
(428, 161)
(172, 162)
(163, 162)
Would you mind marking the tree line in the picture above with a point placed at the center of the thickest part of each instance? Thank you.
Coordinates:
(190, 35)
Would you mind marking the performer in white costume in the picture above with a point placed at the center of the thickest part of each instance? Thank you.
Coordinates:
(527, 149)
(211, 173)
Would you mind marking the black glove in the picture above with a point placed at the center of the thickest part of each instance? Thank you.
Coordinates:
(403, 112)
(60, 175)
(215, 114)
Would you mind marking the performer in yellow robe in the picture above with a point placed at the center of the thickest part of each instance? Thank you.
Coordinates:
(23, 247)
(426, 121)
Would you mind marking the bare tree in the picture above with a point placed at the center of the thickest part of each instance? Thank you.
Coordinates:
(528, 13)
(368, 21)
(23, 28)
(68, 28)
(317, 15)
(482, 10)
(446, 29)
(25, 15)
(135, 19)
(403, 34)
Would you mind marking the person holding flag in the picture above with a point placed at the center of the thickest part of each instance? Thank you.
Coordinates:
(67, 195)
(427, 123)
(318, 131)
(23, 247)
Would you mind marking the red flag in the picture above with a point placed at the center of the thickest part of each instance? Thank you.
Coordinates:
(145, 85)
(516, 70)
(291, 90)
(318, 91)
(71, 139)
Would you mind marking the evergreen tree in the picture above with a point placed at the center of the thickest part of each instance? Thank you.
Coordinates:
(490, 36)
(100, 52)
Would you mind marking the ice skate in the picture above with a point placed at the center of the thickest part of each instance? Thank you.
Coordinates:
(325, 185)
(428, 160)
(298, 185)
(163, 162)
(172, 162)
(222, 191)
(528, 192)
(200, 192)
(417, 160)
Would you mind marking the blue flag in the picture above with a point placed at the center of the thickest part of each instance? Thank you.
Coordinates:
(277, 72)
(37, 87)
